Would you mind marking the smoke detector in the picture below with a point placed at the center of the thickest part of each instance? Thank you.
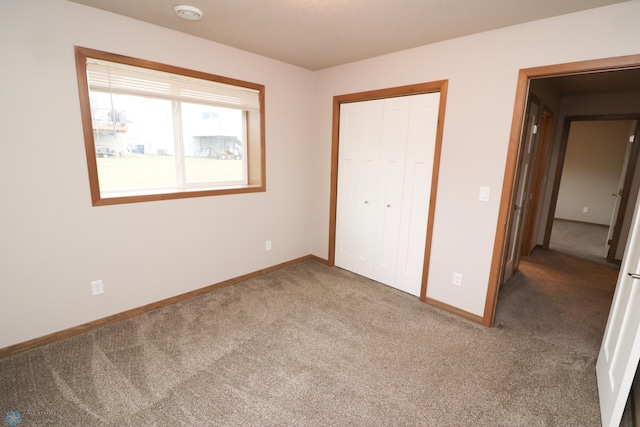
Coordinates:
(188, 12)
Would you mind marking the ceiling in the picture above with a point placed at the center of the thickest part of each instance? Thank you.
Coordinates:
(317, 34)
(603, 82)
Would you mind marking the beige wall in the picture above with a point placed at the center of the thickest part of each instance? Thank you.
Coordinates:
(591, 171)
(53, 242)
(482, 72)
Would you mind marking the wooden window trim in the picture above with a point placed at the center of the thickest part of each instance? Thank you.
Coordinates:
(256, 158)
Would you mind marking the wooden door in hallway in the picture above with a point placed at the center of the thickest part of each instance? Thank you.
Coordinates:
(521, 196)
(625, 197)
(617, 196)
(537, 181)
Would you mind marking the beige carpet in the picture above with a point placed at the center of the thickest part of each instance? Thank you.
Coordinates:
(319, 346)
(580, 239)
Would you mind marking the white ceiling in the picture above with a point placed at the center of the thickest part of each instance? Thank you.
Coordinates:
(317, 34)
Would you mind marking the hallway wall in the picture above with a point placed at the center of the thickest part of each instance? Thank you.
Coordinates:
(581, 105)
(591, 172)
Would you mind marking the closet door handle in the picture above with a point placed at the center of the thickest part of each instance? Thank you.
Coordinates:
(388, 205)
(634, 275)
(366, 202)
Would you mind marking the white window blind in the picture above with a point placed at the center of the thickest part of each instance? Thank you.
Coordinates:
(106, 76)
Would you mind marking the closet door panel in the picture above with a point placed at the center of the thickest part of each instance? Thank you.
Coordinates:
(413, 230)
(389, 208)
(358, 163)
(417, 191)
(386, 244)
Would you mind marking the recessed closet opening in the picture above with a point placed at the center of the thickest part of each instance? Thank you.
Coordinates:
(384, 176)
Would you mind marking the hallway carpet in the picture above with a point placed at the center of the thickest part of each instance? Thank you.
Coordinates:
(579, 239)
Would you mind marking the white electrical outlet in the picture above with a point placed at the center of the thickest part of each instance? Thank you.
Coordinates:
(457, 279)
(585, 210)
(267, 246)
(97, 287)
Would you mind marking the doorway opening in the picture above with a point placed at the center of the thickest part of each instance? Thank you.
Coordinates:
(595, 187)
(588, 78)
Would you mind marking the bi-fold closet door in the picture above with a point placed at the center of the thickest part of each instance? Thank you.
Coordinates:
(385, 166)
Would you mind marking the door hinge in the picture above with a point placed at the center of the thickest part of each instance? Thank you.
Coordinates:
(535, 129)
(632, 138)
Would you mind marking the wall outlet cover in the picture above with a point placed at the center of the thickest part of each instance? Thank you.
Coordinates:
(457, 279)
(97, 287)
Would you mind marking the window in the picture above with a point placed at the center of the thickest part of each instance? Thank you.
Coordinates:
(154, 131)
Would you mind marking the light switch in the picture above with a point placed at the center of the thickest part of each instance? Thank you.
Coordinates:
(484, 194)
